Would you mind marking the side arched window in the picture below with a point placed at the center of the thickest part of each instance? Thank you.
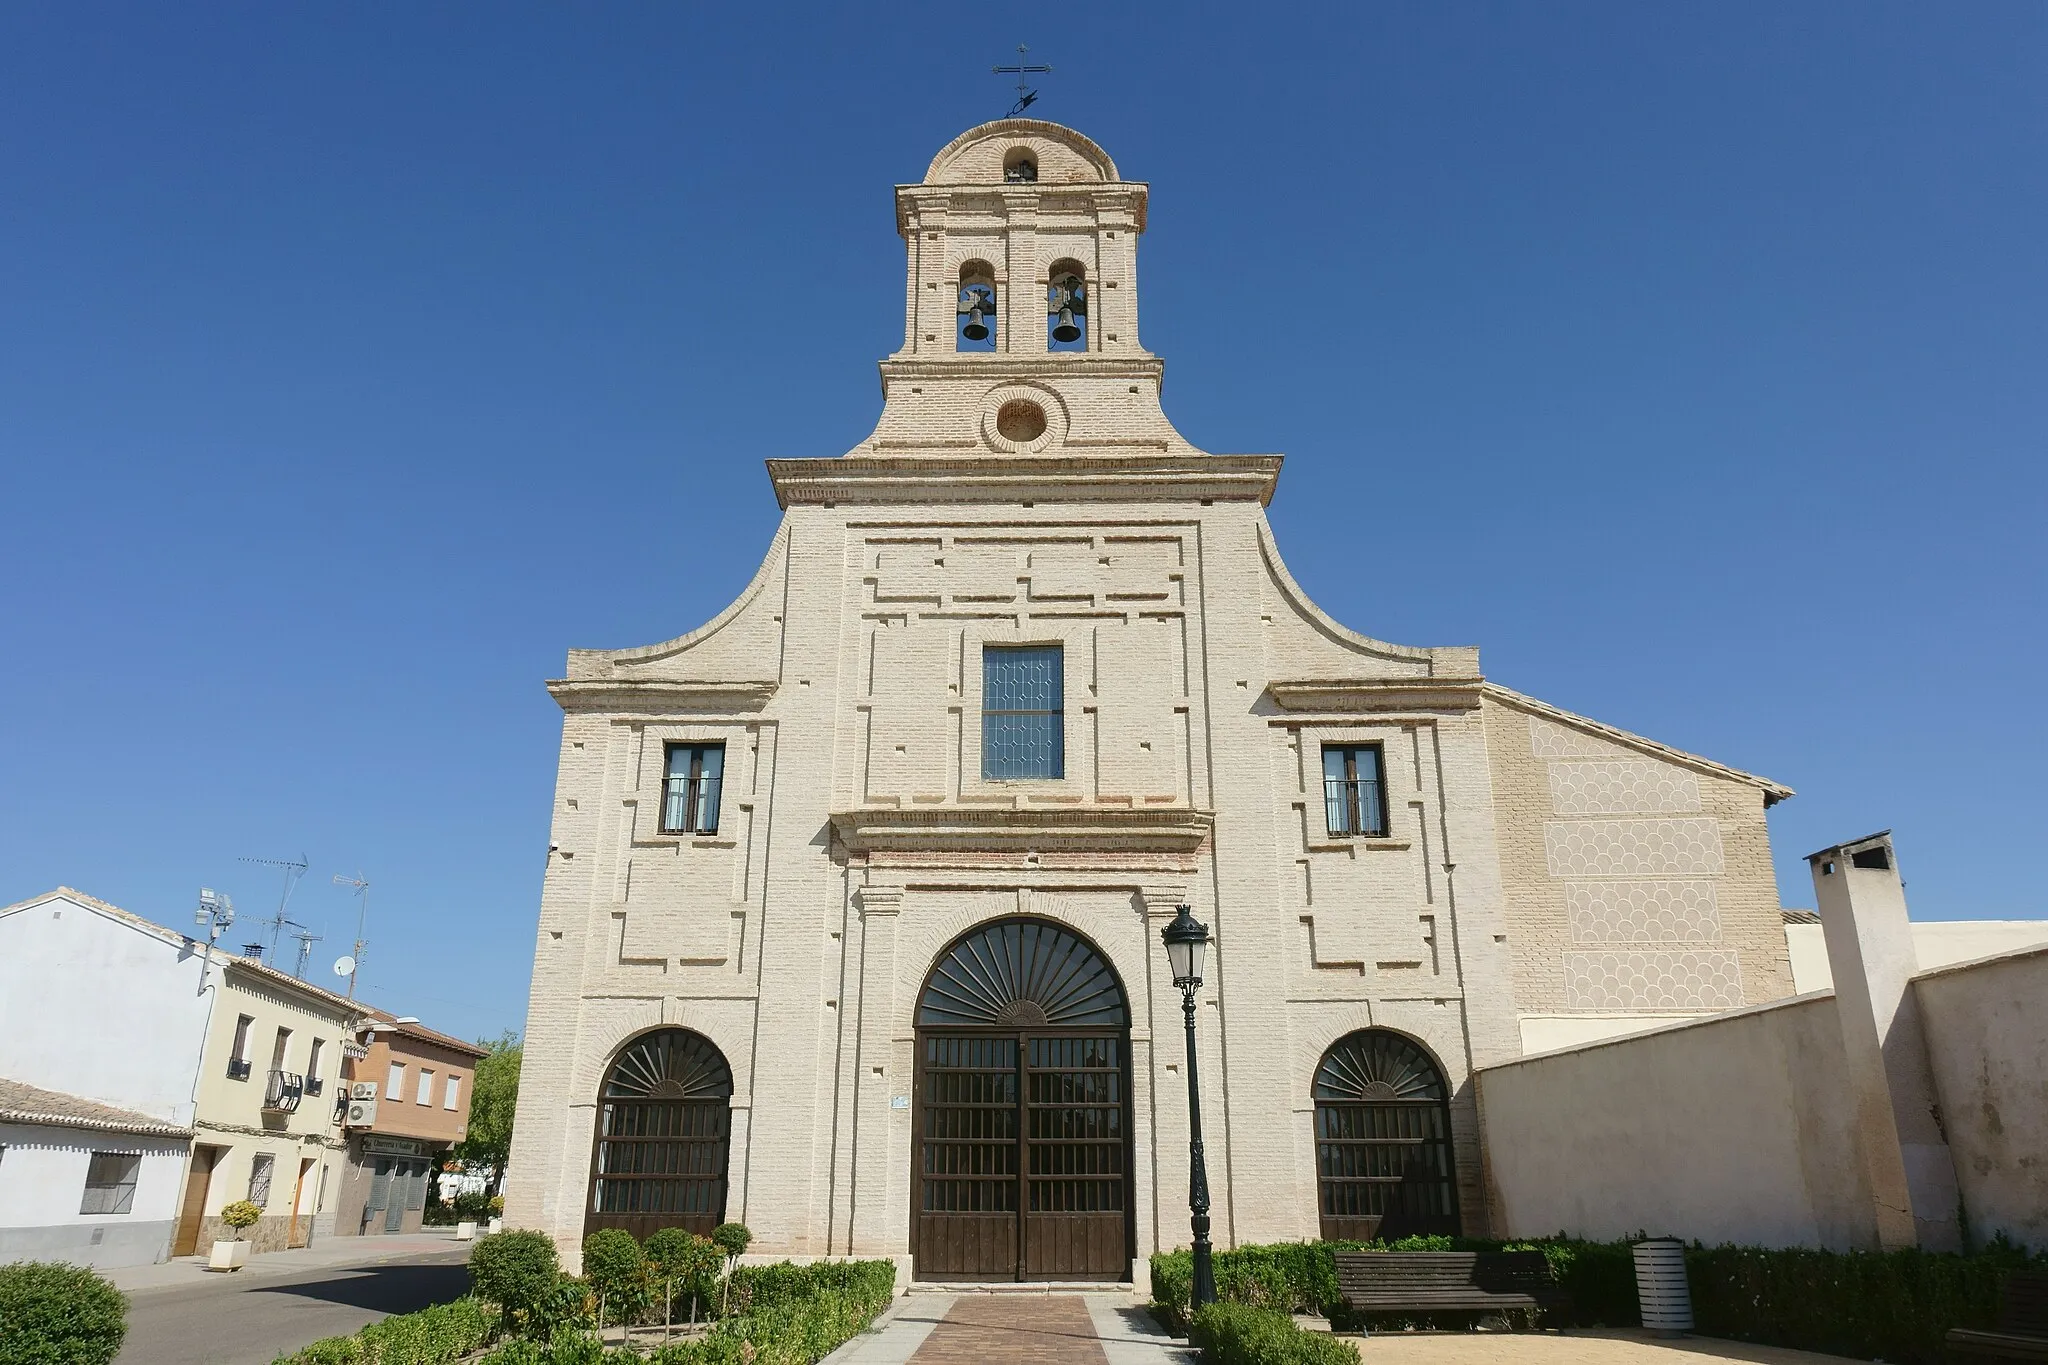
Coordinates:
(1383, 1140)
(1066, 307)
(977, 309)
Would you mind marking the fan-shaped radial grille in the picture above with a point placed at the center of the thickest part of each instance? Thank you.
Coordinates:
(1023, 972)
(1373, 1065)
(674, 1064)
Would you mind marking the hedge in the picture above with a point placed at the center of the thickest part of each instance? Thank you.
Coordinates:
(438, 1335)
(1236, 1334)
(1890, 1305)
(57, 1314)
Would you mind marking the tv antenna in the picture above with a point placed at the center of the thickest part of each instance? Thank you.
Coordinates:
(1026, 96)
(361, 886)
(307, 938)
(292, 872)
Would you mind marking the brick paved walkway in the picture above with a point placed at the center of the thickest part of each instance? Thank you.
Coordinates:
(984, 1329)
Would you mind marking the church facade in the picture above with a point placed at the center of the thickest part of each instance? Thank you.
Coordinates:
(850, 927)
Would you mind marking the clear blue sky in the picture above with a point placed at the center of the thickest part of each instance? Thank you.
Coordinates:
(1692, 360)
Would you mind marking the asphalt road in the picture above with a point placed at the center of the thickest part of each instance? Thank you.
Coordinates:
(231, 1321)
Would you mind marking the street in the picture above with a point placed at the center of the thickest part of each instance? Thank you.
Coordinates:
(180, 1315)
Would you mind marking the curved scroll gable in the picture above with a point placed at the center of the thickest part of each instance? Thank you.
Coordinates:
(1328, 649)
(741, 646)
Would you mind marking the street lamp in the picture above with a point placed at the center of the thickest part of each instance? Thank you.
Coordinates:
(1187, 939)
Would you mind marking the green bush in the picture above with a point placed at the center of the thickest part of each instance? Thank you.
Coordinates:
(56, 1314)
(1890, 1305)
(685, 1266)
(617, 1272)
(240, 1214)
(796, 1315)
(1236, 1334)
(568, 1307)
(438, 1335)
(469, 1207)
(514, 1270)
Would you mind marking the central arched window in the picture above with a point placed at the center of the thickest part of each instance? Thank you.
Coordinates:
(977, 308)
(663, 1120)
(1383, 1140)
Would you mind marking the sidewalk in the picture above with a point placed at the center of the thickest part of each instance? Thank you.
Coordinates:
(1110, 1328)
(329, 1253)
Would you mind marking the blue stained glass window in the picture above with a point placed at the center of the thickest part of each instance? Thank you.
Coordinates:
(1023, 721)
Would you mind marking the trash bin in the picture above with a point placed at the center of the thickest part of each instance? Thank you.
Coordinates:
(1661, 1287)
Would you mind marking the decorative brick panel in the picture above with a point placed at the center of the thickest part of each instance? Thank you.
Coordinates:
(1633, 848)
(1703, 980)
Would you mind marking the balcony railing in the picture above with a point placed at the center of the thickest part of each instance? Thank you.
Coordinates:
(282, 1090)
(238, 1069)
(1352, 806)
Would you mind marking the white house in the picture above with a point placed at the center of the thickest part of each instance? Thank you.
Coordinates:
(101, 1025)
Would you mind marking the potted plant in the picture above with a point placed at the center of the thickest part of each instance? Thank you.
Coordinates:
(233, 1255)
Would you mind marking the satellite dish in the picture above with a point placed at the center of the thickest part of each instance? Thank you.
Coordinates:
(343, 966)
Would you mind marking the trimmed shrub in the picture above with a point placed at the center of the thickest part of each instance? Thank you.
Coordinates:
(1889, 1305)
(568, 1307)
(1234, 1334)
(514, 1270)
(57, 1314)
(438, 1335)
(765, 1288)
(617, 1272)
(240, 1214)
(685, 1266)
(797, 1315)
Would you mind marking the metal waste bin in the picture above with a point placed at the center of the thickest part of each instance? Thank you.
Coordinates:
(1661, 1288)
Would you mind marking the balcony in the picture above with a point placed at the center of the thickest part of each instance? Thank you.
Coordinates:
(238, 1069)
(314, 1085)
(281, 1092)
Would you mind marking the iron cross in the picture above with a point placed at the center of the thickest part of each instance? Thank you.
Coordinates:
(1025, 95)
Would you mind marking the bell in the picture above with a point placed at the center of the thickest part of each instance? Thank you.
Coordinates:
(975, 330)
(1065, 329)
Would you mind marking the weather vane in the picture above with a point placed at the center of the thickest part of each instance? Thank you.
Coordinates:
(1026, 96)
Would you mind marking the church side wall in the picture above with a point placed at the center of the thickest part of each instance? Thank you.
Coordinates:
(1637, 888)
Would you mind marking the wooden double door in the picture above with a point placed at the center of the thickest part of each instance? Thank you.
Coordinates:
(1023, 1155)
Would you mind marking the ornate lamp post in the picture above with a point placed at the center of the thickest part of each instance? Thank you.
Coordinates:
(1186, 940)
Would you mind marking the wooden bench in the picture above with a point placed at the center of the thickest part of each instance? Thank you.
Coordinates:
(1431, 1283)
(2022, 1332)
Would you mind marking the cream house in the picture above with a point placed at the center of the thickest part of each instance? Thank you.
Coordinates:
(851, 924)
(266, 1127)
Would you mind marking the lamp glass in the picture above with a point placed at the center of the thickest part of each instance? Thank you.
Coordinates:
(1186, 939)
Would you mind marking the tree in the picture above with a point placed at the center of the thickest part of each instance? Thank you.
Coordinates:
(493, 1095)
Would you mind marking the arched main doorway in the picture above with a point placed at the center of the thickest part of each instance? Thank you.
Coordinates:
(663, 1117)
(1024, 1110)
(1383, 1140)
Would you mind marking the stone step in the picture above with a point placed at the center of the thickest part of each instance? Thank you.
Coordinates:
(1019, 1287)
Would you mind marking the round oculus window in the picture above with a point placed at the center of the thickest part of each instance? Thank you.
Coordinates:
(1020, 420)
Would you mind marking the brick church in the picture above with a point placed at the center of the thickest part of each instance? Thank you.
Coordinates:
(851, 922)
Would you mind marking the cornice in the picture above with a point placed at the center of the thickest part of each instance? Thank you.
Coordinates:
(1354, 695)
(1006, 829)
(984, 365)
(1024, 478)
(659, 695)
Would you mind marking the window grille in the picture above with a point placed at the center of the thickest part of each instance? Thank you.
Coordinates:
(259, 1179)
(1023, 720)
(690, 788)
(110, 1182)
(1354, 799)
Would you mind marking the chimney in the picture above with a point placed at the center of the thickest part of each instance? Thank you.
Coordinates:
(1898, 1119)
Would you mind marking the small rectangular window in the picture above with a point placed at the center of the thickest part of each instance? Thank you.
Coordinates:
(690, 788)
(259, 1179)
(238, 1057)
(313, 1061)
(394, 1090)
(1023, 717)
(451, 1098)
(423, 1093)
(1354, 798)
(110, 1182)
(279, 1048)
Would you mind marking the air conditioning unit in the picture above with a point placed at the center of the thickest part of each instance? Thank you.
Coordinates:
(362, 1090)
(361, 1113)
